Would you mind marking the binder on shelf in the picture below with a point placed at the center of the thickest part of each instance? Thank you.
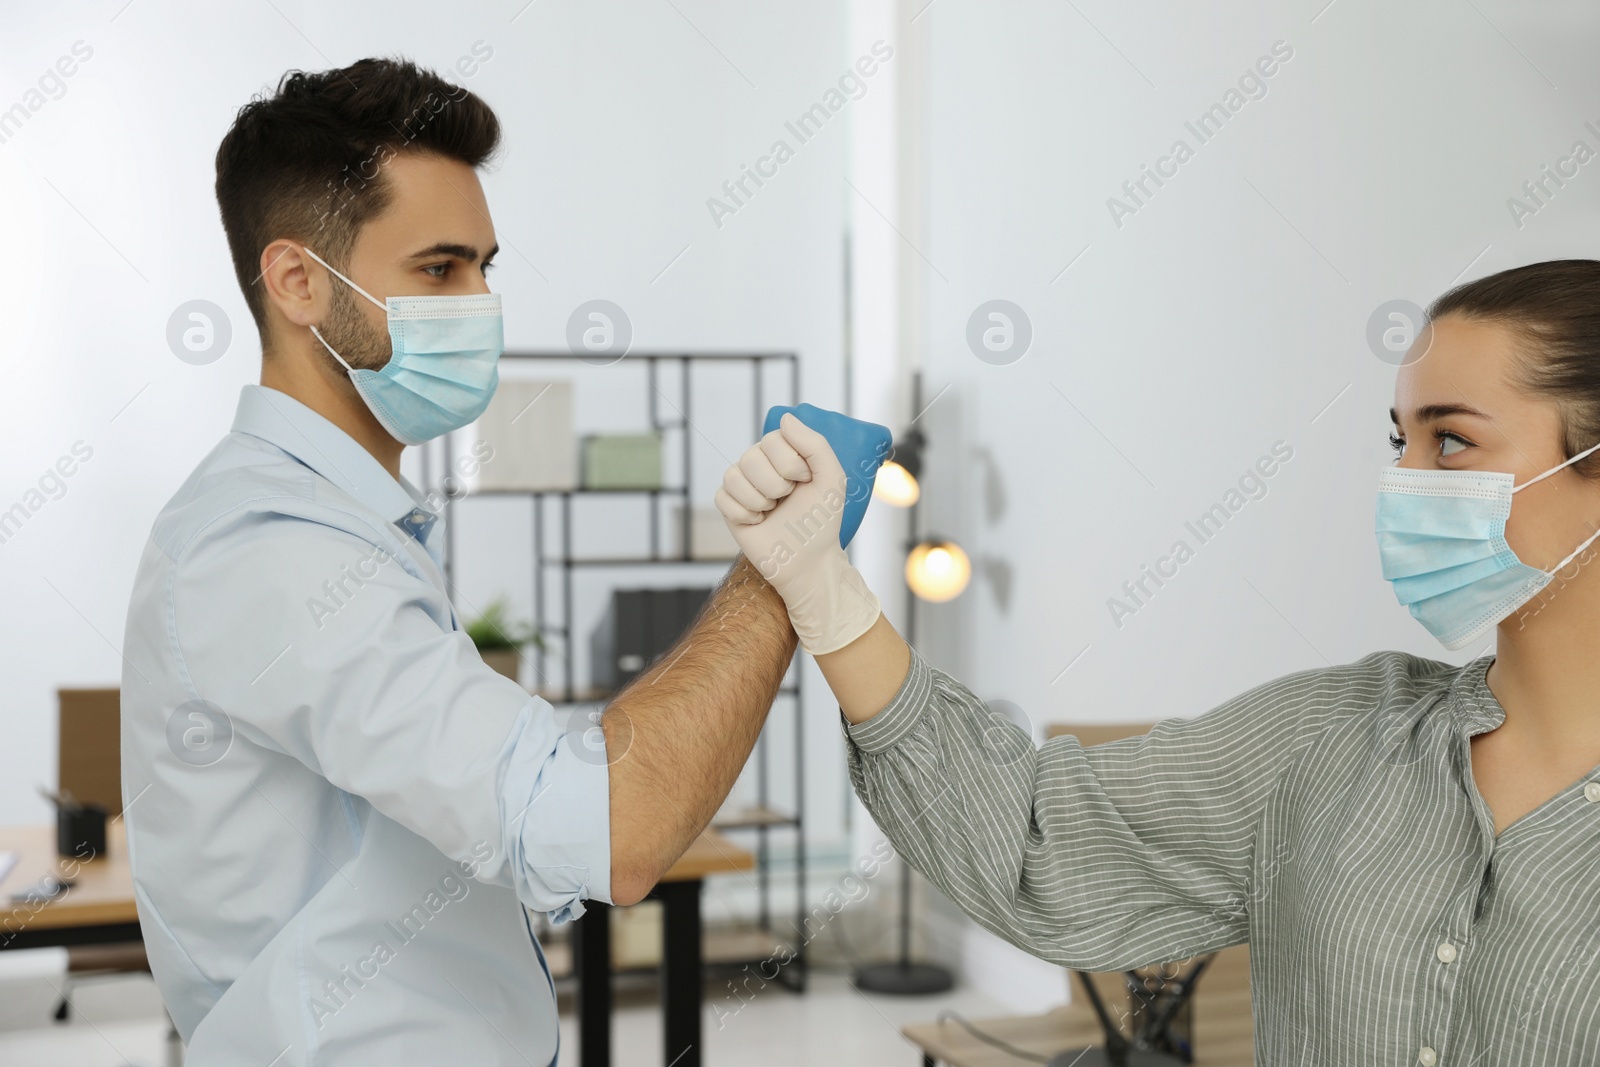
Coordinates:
(638, 627)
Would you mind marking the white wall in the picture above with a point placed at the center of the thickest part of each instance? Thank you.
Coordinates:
(621, 120)
(1226, 314)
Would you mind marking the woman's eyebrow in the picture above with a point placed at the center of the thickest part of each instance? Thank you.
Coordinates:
(1429, 412)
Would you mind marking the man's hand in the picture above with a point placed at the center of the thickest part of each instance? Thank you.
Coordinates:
(784, 503)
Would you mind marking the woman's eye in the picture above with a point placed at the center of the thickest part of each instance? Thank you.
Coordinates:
(1446, 439)
(1397, 443)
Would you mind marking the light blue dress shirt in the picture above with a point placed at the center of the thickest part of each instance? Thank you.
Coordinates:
(336, 812)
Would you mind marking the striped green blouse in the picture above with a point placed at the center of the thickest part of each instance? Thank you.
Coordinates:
(1327, 817)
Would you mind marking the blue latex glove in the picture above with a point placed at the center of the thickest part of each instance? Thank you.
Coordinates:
(861, 448)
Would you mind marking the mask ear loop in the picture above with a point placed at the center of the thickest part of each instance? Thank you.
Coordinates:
(318, 335)
(1530, 481)
(1587, 541)
(1559, 567)
(382, 306)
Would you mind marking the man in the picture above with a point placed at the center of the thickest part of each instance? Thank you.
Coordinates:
(337, 814)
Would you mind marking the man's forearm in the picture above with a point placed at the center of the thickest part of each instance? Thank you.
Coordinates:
(679, 734)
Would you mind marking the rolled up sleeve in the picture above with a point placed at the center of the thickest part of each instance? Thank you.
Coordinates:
(555, 804)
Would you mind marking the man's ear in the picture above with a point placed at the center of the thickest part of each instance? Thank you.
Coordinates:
(298, 292)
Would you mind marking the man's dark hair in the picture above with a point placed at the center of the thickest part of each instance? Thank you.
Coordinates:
(307, 162)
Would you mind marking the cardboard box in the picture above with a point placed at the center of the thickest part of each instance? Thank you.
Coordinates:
(709, 537)
(529, 426)
(89, 752)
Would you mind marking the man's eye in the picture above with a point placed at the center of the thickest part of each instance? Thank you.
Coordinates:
(488, 266)
(442, 268)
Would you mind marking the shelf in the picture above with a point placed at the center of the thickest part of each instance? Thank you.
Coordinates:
(718, 945)
(597, 695)
(752, 818)
(591, 695)
(674, 490)
(652, 357)
(661, 534)
(737, 945)
(636, 561)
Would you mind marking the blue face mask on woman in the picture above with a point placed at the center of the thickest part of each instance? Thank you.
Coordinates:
(1442, 540)
(444, 367)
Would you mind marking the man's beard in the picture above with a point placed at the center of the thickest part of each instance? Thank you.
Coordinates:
(348, 333)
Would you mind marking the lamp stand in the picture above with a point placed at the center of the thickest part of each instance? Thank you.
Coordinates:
(903, 977)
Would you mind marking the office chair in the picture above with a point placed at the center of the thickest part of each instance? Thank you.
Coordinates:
(1157, 1003)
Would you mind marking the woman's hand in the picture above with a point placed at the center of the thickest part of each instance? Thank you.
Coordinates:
(784, 503)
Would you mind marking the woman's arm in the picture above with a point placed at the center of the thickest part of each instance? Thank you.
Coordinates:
(1140, 851)
(866, 674)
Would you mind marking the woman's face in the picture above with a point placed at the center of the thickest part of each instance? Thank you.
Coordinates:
(1457, 407)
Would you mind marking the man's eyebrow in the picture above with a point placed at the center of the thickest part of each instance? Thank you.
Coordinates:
(1429, 412)
(450, 248)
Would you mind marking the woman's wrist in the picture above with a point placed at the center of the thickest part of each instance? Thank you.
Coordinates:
(829, 603)
(866, 674)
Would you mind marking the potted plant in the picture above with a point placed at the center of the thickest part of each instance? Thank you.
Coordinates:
(498, 640)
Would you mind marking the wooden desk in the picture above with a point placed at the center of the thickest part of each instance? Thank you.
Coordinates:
(98, 910)
(682, 969)
(1223, 1028)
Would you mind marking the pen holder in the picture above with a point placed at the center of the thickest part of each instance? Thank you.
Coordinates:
(81, 831)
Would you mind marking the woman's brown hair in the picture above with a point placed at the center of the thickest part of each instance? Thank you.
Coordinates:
(1554, 307)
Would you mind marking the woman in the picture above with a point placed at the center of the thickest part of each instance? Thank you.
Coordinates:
(1412, 849)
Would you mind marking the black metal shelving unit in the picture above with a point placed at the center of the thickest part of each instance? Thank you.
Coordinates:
(764, 818)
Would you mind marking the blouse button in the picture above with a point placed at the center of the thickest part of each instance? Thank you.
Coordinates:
(1591, 792)
(1427, 1057)
(1446, 952)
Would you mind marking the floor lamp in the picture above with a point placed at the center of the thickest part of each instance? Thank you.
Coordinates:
(903, 977)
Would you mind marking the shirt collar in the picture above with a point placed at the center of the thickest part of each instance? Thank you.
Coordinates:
(1477, 708)
(281, 420)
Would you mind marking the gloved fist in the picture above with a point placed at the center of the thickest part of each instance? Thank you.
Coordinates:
(784, 503)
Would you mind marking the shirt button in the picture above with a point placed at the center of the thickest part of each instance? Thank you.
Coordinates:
(1591, 792)
(1427, 1057)
(1446, 952)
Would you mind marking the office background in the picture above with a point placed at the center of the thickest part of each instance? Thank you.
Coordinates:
(1175, 339)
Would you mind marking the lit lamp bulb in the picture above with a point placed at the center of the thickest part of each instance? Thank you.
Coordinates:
(895, 486)
(938, 570)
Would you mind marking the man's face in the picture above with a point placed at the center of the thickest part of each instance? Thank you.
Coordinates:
(435, 238)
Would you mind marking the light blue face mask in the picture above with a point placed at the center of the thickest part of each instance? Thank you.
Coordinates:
(1442, 540)
(444, 367)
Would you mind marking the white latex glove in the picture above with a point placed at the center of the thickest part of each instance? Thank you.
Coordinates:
(784, 502)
